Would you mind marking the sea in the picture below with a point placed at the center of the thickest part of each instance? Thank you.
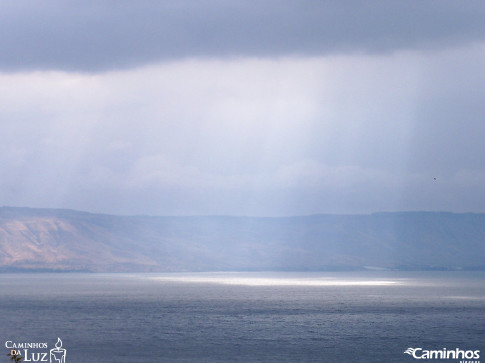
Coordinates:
(368, 316)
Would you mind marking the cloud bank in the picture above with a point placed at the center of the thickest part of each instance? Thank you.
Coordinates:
(250, 136)
(93, 36)
(242, 107)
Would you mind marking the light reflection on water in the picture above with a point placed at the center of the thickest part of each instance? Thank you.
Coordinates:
(268, 281)
(445, 280)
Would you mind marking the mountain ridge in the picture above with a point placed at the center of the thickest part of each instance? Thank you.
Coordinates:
(33, 239)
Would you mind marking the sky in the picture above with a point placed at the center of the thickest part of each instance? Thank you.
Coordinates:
(254, 108)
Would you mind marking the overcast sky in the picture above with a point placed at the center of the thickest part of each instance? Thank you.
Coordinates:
(263, 108)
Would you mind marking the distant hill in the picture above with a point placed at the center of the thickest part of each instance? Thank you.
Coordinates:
(66, 240)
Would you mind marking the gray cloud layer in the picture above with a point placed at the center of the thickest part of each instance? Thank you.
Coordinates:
(242, 107)
(93, 35)
(250, 136)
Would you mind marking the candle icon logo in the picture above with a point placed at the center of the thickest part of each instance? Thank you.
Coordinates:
(58, 354)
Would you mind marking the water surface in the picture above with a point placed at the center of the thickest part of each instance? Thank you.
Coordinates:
(245, 317)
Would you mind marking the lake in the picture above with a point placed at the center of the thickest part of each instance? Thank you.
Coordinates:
(370, 316)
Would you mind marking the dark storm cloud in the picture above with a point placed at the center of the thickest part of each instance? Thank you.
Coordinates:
(101, 35)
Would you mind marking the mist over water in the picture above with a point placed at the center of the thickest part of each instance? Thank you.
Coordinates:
(245, 317)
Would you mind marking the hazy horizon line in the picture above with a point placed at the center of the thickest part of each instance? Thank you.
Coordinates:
(237, 215)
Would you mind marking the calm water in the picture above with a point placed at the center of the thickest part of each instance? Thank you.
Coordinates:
(244, 317)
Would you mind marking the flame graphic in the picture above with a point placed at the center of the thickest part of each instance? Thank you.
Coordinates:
(409, 351)
(59, 343)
